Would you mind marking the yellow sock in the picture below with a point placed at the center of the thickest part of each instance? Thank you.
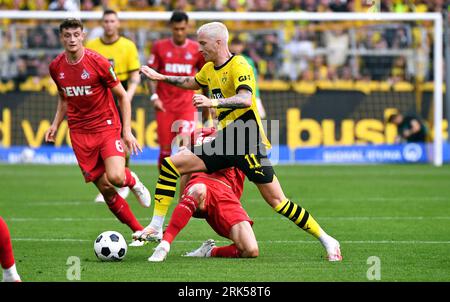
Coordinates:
(299, 216)
(165, 187)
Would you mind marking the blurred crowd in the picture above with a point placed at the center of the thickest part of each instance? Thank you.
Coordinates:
(228, 5)
(342, 52)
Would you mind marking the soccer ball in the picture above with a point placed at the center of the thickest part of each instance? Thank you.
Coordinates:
(110, 246)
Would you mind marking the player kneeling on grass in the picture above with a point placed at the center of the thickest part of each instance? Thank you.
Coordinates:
(214, 197)
(85, 80)
(6, 255)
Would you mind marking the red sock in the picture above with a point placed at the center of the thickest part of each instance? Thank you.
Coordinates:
(129, 179)
(6, 252)
(163, 154)
(120, 208)
(180, 217)
(229, 251)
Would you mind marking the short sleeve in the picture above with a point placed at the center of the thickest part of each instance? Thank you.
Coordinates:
(133, 58)
(201, 78)
(107, 73)
(243, 75)
(154, 61)
(52, 71)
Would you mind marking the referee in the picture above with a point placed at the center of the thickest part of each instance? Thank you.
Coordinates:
(123, 55)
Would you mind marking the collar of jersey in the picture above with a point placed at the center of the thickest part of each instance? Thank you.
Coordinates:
(223, 65)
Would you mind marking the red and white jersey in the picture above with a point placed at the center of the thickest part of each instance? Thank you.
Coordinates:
(170, 59)
(86, 88)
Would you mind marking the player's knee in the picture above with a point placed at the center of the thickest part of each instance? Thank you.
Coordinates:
(198, 192)
(250, 251)
(117, 178)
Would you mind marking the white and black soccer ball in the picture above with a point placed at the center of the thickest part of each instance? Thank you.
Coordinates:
(110, 246)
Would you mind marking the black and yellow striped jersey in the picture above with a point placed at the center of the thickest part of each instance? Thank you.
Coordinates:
(122, 54)
(223, 82)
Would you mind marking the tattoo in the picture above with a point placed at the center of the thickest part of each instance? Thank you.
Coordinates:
(183, 82)
(238, 101)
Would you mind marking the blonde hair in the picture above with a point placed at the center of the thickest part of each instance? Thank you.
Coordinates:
(216, 30)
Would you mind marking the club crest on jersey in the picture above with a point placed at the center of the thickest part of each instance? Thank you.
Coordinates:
(61, 75)
(85, 75)
(169, 54)
(224, 77)
(188, 56)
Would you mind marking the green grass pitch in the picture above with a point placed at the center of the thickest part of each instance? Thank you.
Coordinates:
(400, 214)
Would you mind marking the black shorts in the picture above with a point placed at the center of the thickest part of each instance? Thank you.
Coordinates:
(240, 148)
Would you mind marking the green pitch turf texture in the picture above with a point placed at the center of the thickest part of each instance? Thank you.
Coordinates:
(400, 214)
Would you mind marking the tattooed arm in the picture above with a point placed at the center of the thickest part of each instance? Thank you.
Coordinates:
(242, 99)
(182, 82)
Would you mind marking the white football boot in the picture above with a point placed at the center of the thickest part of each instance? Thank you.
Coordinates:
(160, 253)
(332, 247)
(141, 192)
(148, 234)
(123, 192)
(204, 250)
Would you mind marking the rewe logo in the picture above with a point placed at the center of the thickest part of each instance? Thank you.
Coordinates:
(179, 68)
(77, 90)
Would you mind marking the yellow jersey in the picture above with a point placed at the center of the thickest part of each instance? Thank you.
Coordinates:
(122, 54)
(223, 82)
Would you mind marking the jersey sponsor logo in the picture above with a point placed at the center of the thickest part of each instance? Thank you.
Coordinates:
(85, 75)
(113, 74)
(178, 68)
(244, 78)
(71, 91)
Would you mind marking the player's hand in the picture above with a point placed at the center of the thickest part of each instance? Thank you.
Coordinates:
(50, 134)
(151, 73)
(158, 105)
(201, 101)
(131, 142)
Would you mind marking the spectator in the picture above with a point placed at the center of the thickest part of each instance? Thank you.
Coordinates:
(410, 128)
(297, 53)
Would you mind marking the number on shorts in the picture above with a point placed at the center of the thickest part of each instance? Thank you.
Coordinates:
(119, 146)
(252, 161)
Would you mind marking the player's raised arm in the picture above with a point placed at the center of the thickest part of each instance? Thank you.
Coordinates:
(61, 110)
(125, 110)
(185, 82)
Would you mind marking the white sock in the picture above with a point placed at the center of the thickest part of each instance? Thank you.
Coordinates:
(327, 241)
(157, 222)
(10, 274)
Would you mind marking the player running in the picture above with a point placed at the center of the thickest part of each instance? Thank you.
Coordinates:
(85, 81)
(6, 255)
(241, 141)
(124, 58)
(176, 56)
(214, 197)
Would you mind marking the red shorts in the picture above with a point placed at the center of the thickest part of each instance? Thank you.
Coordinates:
(222, 208)
(91, 149)
(171, 124)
